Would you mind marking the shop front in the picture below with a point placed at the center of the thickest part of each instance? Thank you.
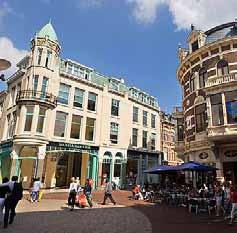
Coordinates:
(66, 160)
(137, 162)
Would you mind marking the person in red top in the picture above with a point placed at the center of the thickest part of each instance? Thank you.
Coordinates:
(233, 198)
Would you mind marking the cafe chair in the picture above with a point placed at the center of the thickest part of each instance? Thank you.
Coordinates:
(193, 204)
(211, 206)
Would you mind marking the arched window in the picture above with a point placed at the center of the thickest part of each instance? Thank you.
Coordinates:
(222, 68)
(202, 77)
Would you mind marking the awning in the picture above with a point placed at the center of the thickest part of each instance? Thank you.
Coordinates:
(161, 169)
(195, 166)
(188, 166)
(4, 154)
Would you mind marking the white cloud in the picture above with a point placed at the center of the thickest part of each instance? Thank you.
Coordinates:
(5, 9)
(202, 13)
(145, 11)
(11, 53)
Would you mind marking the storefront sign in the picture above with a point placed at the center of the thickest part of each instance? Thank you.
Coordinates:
(7, 146)
(203, 155)
(62, 146)
(231, 153)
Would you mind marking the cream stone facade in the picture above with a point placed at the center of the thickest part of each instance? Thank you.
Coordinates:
(207, 122)
(60, 119)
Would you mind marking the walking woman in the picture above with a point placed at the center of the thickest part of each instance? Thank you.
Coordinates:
(72, 193)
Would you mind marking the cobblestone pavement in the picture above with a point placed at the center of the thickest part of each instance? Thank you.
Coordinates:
(128, 216)
(52, 215)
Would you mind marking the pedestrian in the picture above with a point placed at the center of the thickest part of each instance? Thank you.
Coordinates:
(219, 199)
(108, 192)
(4, 191)
(73, 188)
(37, 185)
(87, 191)
(12, 200)
(233, 197)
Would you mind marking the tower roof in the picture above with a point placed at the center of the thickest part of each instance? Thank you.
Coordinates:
(48, 30)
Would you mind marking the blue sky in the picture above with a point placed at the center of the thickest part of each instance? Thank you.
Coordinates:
(133, 39)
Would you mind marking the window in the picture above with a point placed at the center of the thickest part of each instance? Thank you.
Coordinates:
(78, 98)
(40, 124)
(114, 127)
(200, 116)
(222, 68)
(35, 84)
(153, 141)
(115, 107)
(91, 101)
(44, 87)
(180, 129)
(48, 58)
(13, 95)
(217, 110)
(192, 83)
(90, 125)
(153, 120)
(9, 132)
(63, 93)
(29, 118)
(60, 124)
(144, 119)
(39, 56)
(231, 107)
(75, 70)
(14, 118)
(195, 46)
(135, 114)
(134, 136)
(69, 68)
(76, 126)
(202, 77)
(144, 139)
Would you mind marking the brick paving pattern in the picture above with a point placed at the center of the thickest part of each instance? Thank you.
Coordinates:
(52, 215)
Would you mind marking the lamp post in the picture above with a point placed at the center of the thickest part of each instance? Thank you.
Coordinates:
(4, 64)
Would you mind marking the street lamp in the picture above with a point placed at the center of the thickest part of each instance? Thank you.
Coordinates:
(4, 64)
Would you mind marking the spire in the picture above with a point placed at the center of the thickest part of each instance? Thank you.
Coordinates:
(48, 30)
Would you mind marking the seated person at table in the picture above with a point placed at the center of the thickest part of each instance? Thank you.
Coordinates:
(192, 193)
(138, 194)
(203, 191)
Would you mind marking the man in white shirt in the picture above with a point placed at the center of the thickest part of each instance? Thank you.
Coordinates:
(108, 192)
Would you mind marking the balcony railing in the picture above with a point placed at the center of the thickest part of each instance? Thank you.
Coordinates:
(38, 96)
(221, 80)
(177, 110)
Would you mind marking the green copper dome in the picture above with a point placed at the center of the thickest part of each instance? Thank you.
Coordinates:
(48, 30)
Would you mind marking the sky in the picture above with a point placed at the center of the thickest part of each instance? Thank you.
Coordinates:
(136, 40)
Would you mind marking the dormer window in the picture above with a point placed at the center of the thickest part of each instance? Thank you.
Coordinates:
(195, 46)
(222, 68)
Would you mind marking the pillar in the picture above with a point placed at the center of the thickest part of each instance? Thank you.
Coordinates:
(224, 108)
(94, 171)
(100, 172)
(111, 175)
(40, 161)
(15, 166)
(84, 165)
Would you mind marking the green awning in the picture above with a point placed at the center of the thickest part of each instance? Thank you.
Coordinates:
(4, 154)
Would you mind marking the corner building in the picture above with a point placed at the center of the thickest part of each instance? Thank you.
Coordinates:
(60, 119)
(207, 122)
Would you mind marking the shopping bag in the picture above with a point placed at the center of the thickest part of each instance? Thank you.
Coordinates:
(40, 195)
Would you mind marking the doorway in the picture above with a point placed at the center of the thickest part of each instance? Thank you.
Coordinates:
(230, 171)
